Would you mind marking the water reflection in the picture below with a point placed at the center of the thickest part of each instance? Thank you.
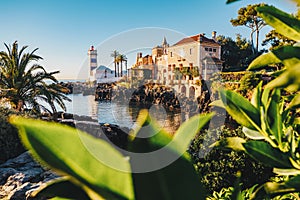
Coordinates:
(124, 115)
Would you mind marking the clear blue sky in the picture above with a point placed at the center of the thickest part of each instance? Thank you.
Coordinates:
(63, 30)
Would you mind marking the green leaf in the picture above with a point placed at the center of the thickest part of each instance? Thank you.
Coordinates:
(295, 103)
(271, 189)
(255, 99)
(288, 80)
(265, 153)
(231, 1)
(252, 134)
(274, 115)
(265, 98)
(218, 103)
(286, 172)
(89, 162)
(294, 182)
(234, 143)
(62, 188)
(237, 190)
(297, 120)
(282, 22)
(240, 109)
(288, 55)
(187, 132)
(166, 182)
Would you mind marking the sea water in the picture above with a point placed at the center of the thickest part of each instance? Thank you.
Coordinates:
(120, 113)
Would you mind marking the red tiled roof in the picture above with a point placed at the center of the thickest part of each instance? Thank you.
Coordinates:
(195, 38)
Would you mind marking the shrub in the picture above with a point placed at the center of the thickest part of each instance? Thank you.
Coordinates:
(248, 82)
(10, 144)
(218, 167)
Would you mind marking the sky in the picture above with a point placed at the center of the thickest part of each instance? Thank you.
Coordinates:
(64, 30)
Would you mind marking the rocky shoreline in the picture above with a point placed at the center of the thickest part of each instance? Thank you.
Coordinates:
(20, 176)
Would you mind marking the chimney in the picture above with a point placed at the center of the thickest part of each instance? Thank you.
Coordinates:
(214, 35)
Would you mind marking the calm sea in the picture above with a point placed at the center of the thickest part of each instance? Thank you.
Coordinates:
(120, 113)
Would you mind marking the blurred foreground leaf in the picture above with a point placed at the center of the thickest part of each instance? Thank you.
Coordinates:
(176, 180)
(282, 22)
(64, 149)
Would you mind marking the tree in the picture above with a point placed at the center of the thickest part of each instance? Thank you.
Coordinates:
(24, 84)
(236, 54)
(276, 40)
(115, 54)
(121, 58)
(247, 16)
(125, 60)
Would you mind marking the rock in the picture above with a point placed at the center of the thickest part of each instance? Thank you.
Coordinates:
(20, 176)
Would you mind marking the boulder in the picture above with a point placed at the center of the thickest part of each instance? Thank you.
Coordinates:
(20, 176)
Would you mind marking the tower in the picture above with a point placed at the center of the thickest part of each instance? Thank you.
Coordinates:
(165, 45)
(92, 53)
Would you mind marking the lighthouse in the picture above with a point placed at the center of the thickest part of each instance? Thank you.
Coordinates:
(92, 53)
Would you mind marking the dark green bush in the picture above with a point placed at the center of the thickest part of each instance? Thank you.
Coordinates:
(10, 144)
(218, 167)
(248, 82)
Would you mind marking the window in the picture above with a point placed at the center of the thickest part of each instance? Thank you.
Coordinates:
(214, 50)
(206, 49)
(210, 50)
(190, 51)
(180, 66)
(171, 54)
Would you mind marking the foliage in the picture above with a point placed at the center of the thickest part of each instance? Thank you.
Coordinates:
(120, 59)
(24, 85)
(248, 82)
(248, 16)
(10, 144)
(227, 193)
(270, 119)
(272, 123)
(92, 174)
(177, 74)
(236, 54)
(115, 54)
(276, 40)
(228, 76)
(218, 167)
(186, 71)
(231, 1)
(242, 82)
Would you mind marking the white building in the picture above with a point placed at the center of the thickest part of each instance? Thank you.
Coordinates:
(184, 64)
(92, 53)
(104, 74)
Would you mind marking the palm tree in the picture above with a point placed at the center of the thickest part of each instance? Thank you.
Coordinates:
(121, 58)
(126, 59)
(115, 54)
(118, 65)
(24, 84)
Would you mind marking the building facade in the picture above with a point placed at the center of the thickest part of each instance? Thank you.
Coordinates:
(182, 65)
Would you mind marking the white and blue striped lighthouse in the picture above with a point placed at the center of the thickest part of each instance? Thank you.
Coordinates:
(92, 53)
